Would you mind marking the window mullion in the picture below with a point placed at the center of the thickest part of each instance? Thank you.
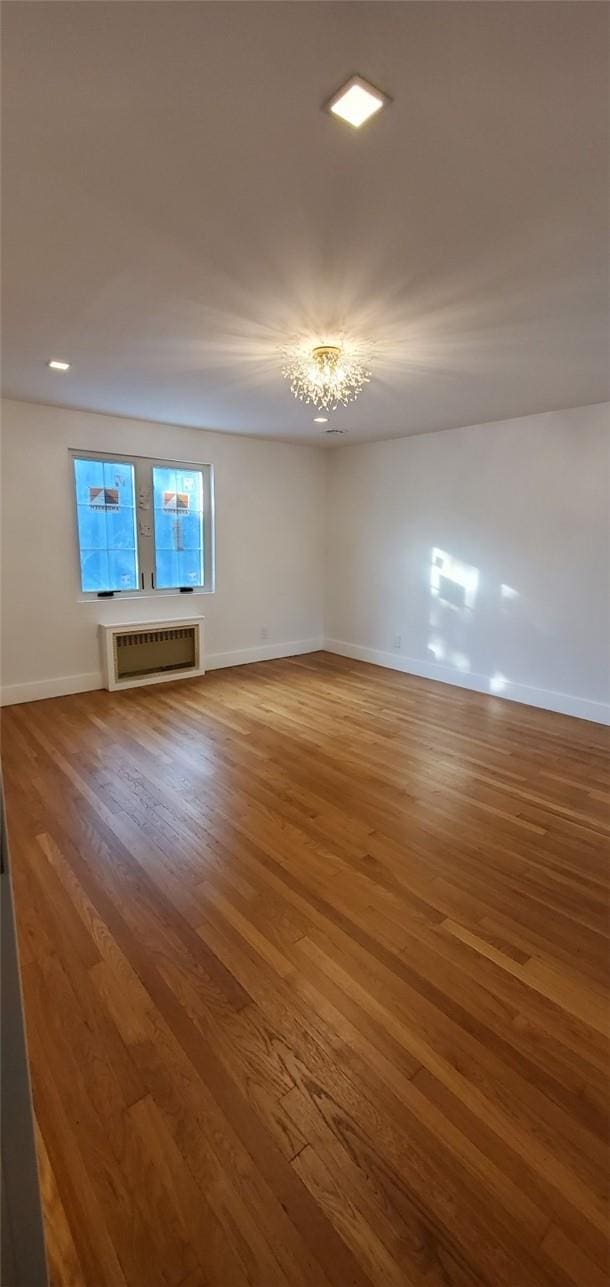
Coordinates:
(145, 523)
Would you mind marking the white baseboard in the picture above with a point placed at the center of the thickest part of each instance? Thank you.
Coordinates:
(262, 652)
(12, 694)
(563, 703)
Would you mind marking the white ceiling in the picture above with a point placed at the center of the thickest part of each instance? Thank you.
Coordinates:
(177, 207)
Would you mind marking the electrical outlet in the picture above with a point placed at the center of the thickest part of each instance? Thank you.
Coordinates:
(264, 632)
(398, 641)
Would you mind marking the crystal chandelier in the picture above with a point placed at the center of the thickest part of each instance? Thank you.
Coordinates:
(326, 376)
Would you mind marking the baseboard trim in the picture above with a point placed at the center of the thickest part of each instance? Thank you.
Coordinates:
(545, 699)
(14, 694)
(262, 652)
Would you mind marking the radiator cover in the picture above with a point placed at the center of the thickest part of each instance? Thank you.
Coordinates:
(151, 652)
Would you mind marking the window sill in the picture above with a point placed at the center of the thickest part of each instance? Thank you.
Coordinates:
(132, 595)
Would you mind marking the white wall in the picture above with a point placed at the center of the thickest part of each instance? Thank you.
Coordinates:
(525, 503)
(269, 547)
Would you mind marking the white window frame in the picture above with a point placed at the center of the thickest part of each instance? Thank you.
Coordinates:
(143, 467)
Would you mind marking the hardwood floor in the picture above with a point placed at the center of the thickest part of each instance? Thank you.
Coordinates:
(315, 965)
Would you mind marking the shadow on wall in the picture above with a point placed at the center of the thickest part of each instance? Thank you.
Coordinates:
(454, 587)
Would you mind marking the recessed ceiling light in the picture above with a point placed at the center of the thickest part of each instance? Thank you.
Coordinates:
(55, 365)
(356, 101)
(320, 420)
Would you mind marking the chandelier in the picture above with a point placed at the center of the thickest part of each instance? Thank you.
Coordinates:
(326, 376)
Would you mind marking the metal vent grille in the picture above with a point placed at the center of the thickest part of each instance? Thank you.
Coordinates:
(151, 652)
(153, 636)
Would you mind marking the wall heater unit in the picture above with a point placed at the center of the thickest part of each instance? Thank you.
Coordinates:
(152, 652)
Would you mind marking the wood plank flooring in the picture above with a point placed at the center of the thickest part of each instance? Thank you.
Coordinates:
(315, 963)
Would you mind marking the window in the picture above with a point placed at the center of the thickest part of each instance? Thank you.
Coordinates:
(144, 526)
(179, 533)
(105, 506)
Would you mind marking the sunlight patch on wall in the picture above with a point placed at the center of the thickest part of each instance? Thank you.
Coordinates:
(437, 648)
(452, 581)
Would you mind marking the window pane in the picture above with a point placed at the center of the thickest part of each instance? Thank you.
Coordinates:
(121, 570)
(120, 475)
(120, 533)
(190, 570)
(164, 480)
(166, 575)
(178, 506)
(94, 570)
(91, 528)
(190, 481)
(106, 524)
(88, 473)
(191, 532)
(165, 530)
